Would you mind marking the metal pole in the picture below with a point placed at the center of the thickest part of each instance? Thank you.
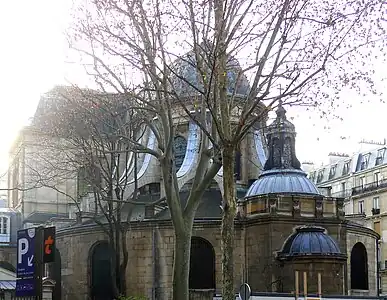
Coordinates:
(297, 284)
(39, 272)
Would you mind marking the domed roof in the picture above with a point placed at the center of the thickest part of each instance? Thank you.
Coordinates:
(282, 182)
(310, 240)
(282, 171)
(186, 78)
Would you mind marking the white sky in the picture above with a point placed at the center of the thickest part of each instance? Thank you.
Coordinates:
(33, 59)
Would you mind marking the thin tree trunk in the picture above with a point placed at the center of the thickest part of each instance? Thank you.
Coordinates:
(229, 212)
(181, 263)
(124, 264)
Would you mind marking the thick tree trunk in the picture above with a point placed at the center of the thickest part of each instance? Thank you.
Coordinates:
(229, 212)
(181, 263)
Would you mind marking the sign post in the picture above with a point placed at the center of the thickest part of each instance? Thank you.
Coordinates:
(35, 247)
(245, 292)
(25, 268)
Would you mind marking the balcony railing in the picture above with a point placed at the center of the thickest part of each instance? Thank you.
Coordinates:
(369, 187)
(342, 194)
(376, 211)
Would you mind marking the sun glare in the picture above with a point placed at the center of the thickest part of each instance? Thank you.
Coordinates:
(31, 60)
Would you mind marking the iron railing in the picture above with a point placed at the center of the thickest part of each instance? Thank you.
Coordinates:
(369, 187)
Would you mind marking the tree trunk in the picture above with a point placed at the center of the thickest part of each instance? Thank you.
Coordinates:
(125, 259)
(229, 212)
(181, 263)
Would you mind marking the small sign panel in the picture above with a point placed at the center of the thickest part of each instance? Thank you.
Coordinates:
(25, 253)
(25, 268)
(49, 245)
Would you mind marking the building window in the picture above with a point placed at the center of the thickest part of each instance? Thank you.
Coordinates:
(376, 177)
(364, 161)
(376, 203)
(5, 236)
(312, 176)
(362, 182)
(343, 186)
(4, 225)
(320, 175)
(332, 171)
(346, 168)
(361, 207)
(380, 156)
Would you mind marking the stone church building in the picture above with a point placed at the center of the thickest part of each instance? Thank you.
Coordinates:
(285, 228)
(289, 238)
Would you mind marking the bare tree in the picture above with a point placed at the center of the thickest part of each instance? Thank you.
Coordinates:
(77, 143)
(296, 52)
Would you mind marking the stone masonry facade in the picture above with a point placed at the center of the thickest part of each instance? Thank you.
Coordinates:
(151, 247)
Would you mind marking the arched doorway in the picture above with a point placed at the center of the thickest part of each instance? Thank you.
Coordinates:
(202, 264)
(359, 267)
(55, 273)
(101, 285)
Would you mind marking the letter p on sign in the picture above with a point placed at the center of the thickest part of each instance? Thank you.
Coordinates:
(23, 249)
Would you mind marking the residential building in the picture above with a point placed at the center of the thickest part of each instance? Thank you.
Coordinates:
(361, 179)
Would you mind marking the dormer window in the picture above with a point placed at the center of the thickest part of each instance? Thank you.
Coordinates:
(380, 156)
(320, 175)
(346, 168)
(364, 161)
(332, 171)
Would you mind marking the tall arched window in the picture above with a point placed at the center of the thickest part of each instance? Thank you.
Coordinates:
(359, 267)
(179, 149)
(5, 229)
(101, 284)
(202, 264)
(238, 164)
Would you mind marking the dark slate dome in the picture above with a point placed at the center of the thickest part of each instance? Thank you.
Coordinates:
(186, 78)
(282, 171)
(283, 182)
(310, 240)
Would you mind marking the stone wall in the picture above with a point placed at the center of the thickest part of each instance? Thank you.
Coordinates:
(151, 249)
(266, 236)
(332, 280)
(74, 249)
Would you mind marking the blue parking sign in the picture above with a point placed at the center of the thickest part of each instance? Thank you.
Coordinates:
(25, 267)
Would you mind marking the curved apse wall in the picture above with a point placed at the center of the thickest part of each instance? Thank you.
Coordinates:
(151, 145)
(191, 154)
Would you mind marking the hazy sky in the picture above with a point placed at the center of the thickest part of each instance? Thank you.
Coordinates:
(33, 59)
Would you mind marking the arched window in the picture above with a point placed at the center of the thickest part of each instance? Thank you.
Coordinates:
(54, 272)
(101, 285)
(202, 264)
(238, 164)
(359, 267)
(179, 149)
(5, 229)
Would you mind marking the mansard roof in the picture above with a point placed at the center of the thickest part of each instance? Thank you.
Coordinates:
(358, 162)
